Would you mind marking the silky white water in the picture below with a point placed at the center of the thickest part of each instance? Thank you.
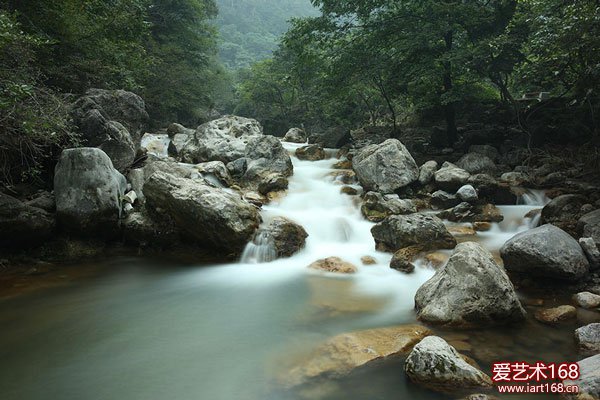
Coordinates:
(148, 331)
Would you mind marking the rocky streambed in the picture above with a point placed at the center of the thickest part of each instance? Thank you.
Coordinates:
(361, 273)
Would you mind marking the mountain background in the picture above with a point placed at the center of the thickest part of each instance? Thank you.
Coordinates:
(250, 29)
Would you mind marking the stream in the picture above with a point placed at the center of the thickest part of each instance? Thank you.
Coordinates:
(146, 329)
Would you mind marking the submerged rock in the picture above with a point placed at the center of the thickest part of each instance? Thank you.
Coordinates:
(210, 216)
(295, 135)
(347, 352)
(311, 152)
(471, 290)
(437, 366)
(557, 314)
(399, 231)
(588, 339)
(547, 252)
(376, 207)
(88, 192)
(21, 223)
(333, 264)
(385, 167)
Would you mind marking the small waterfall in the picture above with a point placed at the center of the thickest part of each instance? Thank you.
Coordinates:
(532, 197)
(260, 250)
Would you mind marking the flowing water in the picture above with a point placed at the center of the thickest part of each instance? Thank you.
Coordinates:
(145, 330)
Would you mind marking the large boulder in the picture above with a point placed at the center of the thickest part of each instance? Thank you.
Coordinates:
(546, 252)
(345, 353)
(385, 167)
(23, 224)
(450, 177)
(399, 231)
(265, 156)
(112, 121)
(437, 366)
(471, 290)
(589, 226)
(284, 236)
(376, 207)
(311, 152)
(88, 192)
(427, 171)
(295, 135)
(589, 380)
(591, 251)
(223, 139)
(477, 163)
(490, 151)
(209, 216)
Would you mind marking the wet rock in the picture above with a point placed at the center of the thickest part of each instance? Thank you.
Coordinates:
(516, 178)
(343, 164)
(140, 229)
(477, 163)
(209, 216)
(443, 200)
(265, 156)
(427, 172)
(471, 290)
(21, 223)
(295, 135)
(586, 300)
(288, 237)
(547, 252)
(346, 177)
(312, 152)
(222, 139)
(563, 212)
(465, 212)
(436, 260)
(349, 190)
(215, 171)
(347, 352)
(402, 262)
(489, 151)
(399, 231)
(588, 339)
(385, 167)
(450, 177)
(591, 252)
(556, 315)
(333, 264)
(237, 168)
(88, 192)
(486, 185)
(136, 179)
(44, 200)
(376, 207)
(368, 260)
(589, 380)
(467, 193)
(589, 226)
(435, 365)
(482, 226)
(273, 183)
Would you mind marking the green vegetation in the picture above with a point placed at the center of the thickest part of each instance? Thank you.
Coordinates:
(380, 61)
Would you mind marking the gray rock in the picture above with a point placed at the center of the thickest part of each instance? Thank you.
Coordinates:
(88, 192)
(265, 156)
(399, 231)
(588, 339)
(590, 249)
(465, 212)
(272, 183)
(589, 379)
(516, 178)
(476, 163)
(490, 151)
(471, 290)
(210, 216)
(141, 229)
(556, 315)
(295, 135)
(44, 200)
(586, 300)
(437, 366)
(451, 177)
(547, 252)
(376, 207)
(441, 199)
(23, 224)
(589, 226)
(386, 167)
(237, 168)
(287, 236)
(136, 178)
(215, 172)
(467, 193)
(564, 211)
(427, 172)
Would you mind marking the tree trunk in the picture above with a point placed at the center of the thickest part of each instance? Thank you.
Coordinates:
(449, 110)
